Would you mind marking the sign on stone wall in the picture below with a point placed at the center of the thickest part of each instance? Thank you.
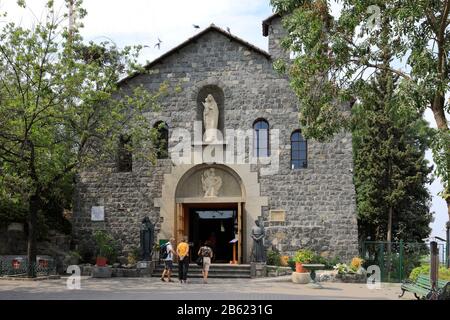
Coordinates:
(277, 215)
(98, 213)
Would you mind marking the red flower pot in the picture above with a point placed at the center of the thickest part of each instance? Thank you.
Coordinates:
(299, 268)
(101, 262)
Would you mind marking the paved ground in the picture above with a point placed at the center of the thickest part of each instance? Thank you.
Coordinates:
(216, 289)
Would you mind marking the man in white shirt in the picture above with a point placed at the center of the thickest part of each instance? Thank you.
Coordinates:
(168, 261)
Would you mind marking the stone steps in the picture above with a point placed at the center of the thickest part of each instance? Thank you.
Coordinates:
(215, 271)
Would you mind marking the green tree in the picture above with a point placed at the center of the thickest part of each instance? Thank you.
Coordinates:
(62, 109)
(334, 54)
(391, 173)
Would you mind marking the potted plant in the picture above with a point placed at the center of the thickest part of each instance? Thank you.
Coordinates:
(301, 257)
(73, 258)
(105, 247)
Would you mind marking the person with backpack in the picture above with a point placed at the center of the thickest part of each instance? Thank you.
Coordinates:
(206, 253)
(167, 253)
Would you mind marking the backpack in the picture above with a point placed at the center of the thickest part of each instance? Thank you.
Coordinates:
(205, 252)
(163, 254)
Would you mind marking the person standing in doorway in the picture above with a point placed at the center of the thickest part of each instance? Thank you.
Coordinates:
(168, 260)
(183, 260)
(206, 253)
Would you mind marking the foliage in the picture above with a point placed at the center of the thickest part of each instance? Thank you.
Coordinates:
(11, 211)
(335, 55)
(356, 264)
(444, 273)
(87, 251)
(391, 172)
(291, 263)
(62, 109)
(106, 245)
(284, 261)
(133, 256)
(273, 258)
(329, 263)
(342, 268)
(74, 254)
(304, 256)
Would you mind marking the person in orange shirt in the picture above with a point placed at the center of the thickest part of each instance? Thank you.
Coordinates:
(183, 259)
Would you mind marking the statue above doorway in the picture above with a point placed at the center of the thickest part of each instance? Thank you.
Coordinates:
(210, 118)
(211, 183)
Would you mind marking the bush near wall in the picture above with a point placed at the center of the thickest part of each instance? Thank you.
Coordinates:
(444, 273)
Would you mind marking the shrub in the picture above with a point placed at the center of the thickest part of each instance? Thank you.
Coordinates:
(304, 256)
(106, 246)
(291, 263)
(86, 250)
(444, 273)
(356, 263)
(284, 260)
(273, 258)
(74, 255)
(342, 268)
(133, 256)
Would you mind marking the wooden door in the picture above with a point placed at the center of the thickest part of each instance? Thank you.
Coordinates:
(180, 223)
(240, 233)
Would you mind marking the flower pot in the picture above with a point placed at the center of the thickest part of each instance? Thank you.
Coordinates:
(101, 262)
(299, 268)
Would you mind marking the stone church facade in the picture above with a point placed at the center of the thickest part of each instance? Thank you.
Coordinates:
(308, 201)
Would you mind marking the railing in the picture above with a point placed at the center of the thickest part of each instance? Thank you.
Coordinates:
(18, 266)
(397, 259)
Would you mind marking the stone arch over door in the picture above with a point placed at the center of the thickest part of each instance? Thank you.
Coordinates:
(175, 194)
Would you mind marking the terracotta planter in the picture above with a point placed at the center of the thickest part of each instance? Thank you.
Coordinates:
(101, 262)
(299, 268)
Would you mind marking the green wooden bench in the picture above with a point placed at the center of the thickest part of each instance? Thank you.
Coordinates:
(422, 287)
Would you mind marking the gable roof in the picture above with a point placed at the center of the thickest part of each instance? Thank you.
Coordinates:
(212, 27)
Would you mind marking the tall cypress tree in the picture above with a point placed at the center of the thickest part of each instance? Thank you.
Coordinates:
(391, 172)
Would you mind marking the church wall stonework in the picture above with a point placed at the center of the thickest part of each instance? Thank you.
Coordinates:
(319, 201)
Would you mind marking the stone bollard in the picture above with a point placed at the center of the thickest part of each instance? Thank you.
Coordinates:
(258, 270)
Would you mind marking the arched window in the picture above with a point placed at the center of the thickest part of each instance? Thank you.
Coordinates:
(261, 138)
(125, 156)
(299, 151)
(162, 140)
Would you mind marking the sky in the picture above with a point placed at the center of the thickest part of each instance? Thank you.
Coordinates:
(146, 22)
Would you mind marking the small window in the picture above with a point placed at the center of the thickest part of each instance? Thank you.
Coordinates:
(261, 138)
(162, 140)
(125, 156)
(299, 151)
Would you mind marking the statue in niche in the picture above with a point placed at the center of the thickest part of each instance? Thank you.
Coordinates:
(210, 118)
(211, 183)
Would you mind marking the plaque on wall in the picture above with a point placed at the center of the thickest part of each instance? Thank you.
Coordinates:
(277, 215)
(98, 213)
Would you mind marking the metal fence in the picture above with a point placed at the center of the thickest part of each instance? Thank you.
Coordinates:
(18, 266)
(397, 259)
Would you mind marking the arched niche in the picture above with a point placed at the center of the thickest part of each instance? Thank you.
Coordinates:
(219, 96)
(190, 187)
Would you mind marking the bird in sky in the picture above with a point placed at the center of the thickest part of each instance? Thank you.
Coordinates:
(158, 44)
(196, 26)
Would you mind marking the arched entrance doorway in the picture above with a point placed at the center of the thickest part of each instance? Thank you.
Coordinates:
(182, 188)
(210, 202)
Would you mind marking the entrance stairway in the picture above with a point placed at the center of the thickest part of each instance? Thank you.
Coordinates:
(216, 270)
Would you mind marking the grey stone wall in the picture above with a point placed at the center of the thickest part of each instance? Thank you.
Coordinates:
(276, 35)
(319, 200)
